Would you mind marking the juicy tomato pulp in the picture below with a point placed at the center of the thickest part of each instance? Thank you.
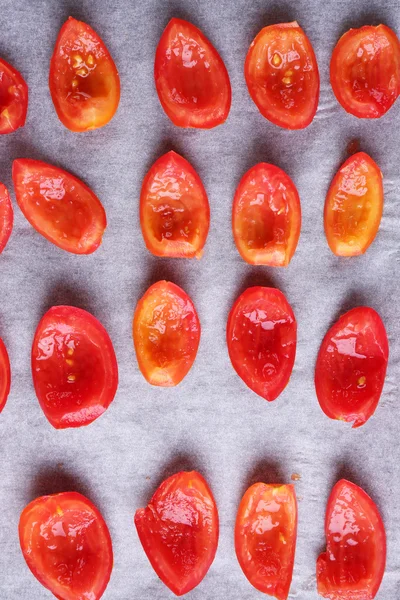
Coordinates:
(265, 537)
(354, 562)
(6, 217)
(179, 531)
(13, 98)
(353, 207)
(266, 218)
(84, 81)
(191, 79)
(74, 368)
(67, 546)
(5, 375)
(351, 366)
(174, 209)
(59, 206)
(261, 337)
(365, 71)
(166, 334)
(282, 75)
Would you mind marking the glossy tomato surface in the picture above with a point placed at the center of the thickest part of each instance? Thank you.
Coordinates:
(266, 216)
(6, 217)
(354, 205)
(74, 367)
(365, 71)
(351, 366)
(174, 209)
(166, 334)
(191, 79)
(282, 75)
(59, 206)
(67, 546)
(179, 531)
(354, 562)
(5, 375)
(261, 337)
(265, 537)
(84, 81)
(13, 98)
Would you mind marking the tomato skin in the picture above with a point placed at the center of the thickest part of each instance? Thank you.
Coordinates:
(351, 366)
(353, 566)
(179, 531)
(365, 71)
(67, 546)
(14, 98)
(5, 375)
(173, 185)
(266, 216)
(6, 217)
(265, 537)
(261, 337)
(196, 93)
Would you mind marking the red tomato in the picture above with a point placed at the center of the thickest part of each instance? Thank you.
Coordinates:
(179, 531)
(261, 337)
(266, 218)
(282, 75)
(67, 546)
(351, 366)
(14, 98)
(74, 368)
(5, 375)
(59, 206)
(354, 562)
(6, 217)
(265, 537)
(353, 207)
(365, 71)
(84, 81)
(191, 79)
(166, 334)
(174, 209)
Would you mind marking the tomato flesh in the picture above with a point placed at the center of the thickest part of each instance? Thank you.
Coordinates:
(5, 375)
(67, 546)
(191, 79)
(74, 367)
(353, 565)
(6, 217)
(13, 98)
(266, 217)
(179, 531)
(174, 209)
(166, 334)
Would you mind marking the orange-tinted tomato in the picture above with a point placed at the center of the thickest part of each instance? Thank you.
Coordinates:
(5, 375)
(174, 209)
(6, 217)
(13, 98)
(179, 531)
(266, 218)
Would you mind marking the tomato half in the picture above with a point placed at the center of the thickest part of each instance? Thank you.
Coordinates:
(67, 546)
(74, 368)
(354, 205)
(191, 79)
(265, 537)
(174, 209)
(354, 562)
(6, 217)
(261, 336)
(13, 98)
(59, 206)
(166, 334)
(84, 81)
(266, 216)
(282, 75)
(5, 375)
(351, 366)
(179, 531)
(365, 71)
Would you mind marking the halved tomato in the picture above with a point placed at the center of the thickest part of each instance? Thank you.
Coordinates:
(5, 375)
(59, 206)
(351, 366)
(282, 75)
(174, 209)
(67, 546)
(365, 71)
(261, 336)
(266, 217)
(191, 79)
(84, 81)
(179, 531)
(74, 369)
(353, 207)
(354, 562)
(13, 98)
(6, 217)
